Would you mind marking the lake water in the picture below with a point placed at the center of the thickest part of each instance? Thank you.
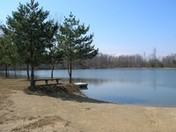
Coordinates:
(129, 86)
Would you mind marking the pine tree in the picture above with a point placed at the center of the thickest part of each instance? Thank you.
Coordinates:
(75, 43)
(53, 55)
(8, 53)
(32, 32)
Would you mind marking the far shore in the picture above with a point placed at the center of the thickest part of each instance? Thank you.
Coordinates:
(144, 68)
(70, 111)
(108, 68)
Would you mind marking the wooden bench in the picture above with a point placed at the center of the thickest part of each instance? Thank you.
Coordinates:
(46, 80)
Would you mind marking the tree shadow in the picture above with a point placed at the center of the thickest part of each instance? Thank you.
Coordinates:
(66, 92)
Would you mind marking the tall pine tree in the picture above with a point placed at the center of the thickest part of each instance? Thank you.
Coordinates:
(74, 42)
(31, 32)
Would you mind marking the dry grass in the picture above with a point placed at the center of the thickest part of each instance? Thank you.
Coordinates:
(48, 120)
(13, 84)
(6, 85)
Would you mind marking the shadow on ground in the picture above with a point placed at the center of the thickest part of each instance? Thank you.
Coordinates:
(68, 92)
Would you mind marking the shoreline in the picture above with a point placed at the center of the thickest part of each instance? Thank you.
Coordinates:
(22, 111)
(102, 68)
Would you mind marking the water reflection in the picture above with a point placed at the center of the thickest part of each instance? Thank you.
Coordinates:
(95, 82)
(153, 77)
(99, 82)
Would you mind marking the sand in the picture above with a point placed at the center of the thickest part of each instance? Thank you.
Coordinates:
(22, 111)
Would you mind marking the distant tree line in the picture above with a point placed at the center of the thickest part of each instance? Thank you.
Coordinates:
(130, 61)
(104, 61)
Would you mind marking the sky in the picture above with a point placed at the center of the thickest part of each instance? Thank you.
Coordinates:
(120, 26)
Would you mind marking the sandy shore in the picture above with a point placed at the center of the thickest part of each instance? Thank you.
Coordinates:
(21, 111)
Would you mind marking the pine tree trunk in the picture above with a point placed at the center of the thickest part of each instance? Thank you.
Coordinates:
(28, 76)
(32, 76)
(52, 70)
(15, 72)
(70, 76)
(6, 70)
(70, 71)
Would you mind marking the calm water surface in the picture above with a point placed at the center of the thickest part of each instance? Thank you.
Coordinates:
(129, 86)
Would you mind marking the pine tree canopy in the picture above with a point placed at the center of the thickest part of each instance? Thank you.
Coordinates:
(31, 30)
(74, 41)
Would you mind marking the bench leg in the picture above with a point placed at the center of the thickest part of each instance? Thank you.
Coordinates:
(57, 81)
(46, 81)
(34, 82)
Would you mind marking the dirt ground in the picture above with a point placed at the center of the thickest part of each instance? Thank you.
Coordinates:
(24, 111)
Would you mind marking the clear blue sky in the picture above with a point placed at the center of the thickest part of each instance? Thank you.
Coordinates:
(119, 26)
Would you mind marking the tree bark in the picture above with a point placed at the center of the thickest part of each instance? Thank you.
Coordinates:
(6, 70)
(32, 76)
(70, 71)
(15, 72)
(27, 67)
(52, 69)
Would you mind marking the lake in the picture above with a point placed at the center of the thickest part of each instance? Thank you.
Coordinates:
(149, 87)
